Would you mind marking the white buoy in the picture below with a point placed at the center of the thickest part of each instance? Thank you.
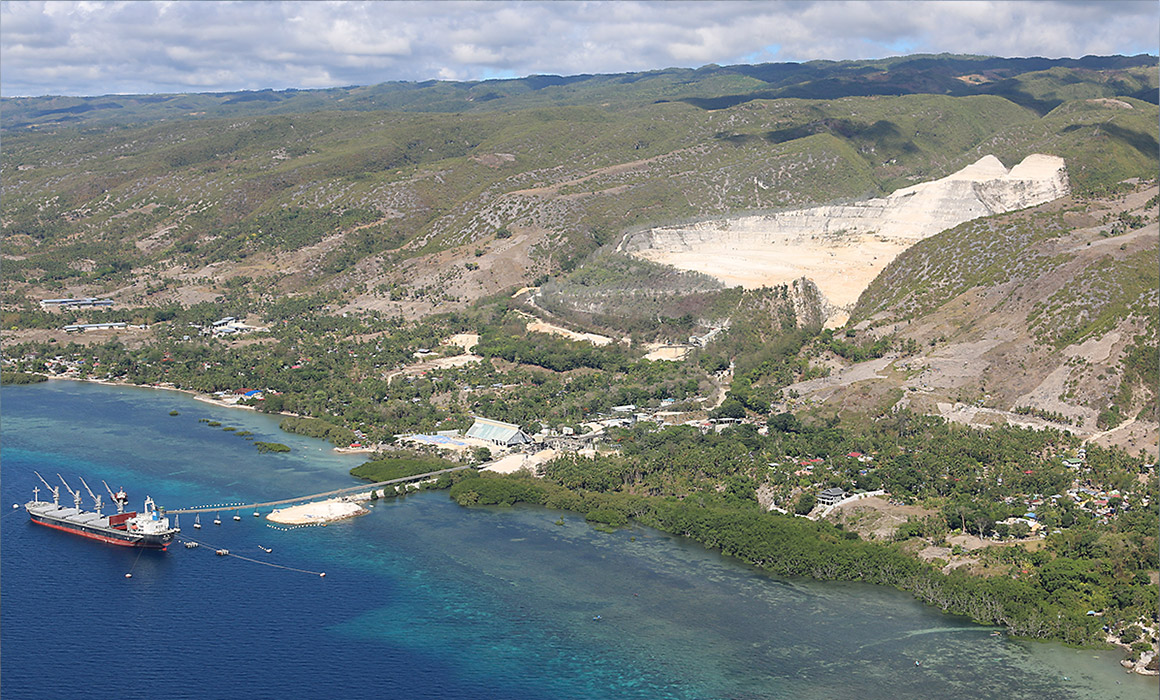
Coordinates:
(128, 575)
(15, 505)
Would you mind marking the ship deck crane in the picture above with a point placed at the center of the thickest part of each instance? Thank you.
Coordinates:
(96, 498)
(119, 501)
(54, 490)
(75, 494)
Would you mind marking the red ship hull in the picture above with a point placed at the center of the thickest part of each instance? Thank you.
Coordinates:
(146, 543)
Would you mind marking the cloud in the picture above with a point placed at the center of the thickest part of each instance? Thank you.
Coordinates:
(86, 48)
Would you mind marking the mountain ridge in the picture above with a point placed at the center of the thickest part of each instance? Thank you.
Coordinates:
(708, 87)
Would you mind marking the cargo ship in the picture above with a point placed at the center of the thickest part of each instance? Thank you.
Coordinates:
(148, 529)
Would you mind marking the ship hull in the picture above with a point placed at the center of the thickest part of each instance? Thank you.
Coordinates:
(105, 534)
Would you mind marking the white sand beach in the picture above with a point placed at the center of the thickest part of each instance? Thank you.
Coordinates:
(317, 512)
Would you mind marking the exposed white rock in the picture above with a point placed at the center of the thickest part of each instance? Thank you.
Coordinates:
(843, 247)
(318, 512)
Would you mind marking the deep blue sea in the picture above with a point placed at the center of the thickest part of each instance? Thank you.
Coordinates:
(424, 599)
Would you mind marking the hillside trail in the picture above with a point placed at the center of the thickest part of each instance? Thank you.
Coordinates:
(1122, 426)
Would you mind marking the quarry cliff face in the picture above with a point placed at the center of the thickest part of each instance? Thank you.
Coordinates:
(843, 247)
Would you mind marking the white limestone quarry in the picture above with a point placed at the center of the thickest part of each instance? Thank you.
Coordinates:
(843, 247)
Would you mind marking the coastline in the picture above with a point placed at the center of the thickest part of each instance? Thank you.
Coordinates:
(112, 382)
(208, 398)
(1136, 668)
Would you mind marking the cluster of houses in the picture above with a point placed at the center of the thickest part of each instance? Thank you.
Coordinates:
(59, 365)
(236, 395)
(223, 327)
(1104, 504)
(114, 325)
(510, 437)
(228, 326)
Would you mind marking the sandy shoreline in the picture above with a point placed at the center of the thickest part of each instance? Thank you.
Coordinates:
(318, 512)
(207, 398)
(188, 392)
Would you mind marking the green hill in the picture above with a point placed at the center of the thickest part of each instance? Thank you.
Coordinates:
(416, 198)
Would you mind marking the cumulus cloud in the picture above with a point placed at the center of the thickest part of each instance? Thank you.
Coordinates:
(87, 48)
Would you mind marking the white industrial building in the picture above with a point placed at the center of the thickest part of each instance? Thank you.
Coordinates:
(498, 432)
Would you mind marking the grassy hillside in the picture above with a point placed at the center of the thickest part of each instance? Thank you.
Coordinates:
(1048, 312)
(379, 208)
(341, 200)
(1103, 141)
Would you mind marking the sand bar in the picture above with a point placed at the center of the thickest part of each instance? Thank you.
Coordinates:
(317, 512)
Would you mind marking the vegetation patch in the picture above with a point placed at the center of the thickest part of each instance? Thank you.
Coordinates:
(318, 428)
(21, 378)
(399, 466)
(265, 447)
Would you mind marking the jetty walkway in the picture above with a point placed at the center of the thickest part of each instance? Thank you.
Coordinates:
(316, 496)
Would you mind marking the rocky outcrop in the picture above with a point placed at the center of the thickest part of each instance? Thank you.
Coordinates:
(809, 306)
(842, 247)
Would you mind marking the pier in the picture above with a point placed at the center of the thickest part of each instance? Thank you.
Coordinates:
(317, 496)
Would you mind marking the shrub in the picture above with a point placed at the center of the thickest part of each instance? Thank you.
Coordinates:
(318, 428)
(607, 516)
(805, 503)
(492, 491)
(264, 447)
(398, 466)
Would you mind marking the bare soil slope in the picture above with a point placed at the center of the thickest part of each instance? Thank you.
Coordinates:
(1048, 332)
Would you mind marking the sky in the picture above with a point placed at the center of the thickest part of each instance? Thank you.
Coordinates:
(99, 48)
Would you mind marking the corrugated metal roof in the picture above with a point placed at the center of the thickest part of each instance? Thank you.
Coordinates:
(496, 431)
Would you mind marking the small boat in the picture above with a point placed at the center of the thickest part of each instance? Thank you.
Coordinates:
(267, 550)
(191, 545)
(222, 552)
(257, 514)
(197, 522)
(237, 517)
(217, 520)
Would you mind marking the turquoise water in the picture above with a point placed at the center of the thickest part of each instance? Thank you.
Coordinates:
(426, 599)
